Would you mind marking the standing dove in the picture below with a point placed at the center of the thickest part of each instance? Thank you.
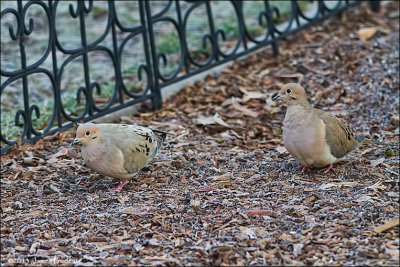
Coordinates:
(117, 150)
(313, 137)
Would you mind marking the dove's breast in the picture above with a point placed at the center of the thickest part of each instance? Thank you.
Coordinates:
(102, 162)
(305, 139)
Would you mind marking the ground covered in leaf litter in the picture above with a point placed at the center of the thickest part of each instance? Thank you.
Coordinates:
(223, 190)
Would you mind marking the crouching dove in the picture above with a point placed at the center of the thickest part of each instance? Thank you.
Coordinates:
(313, 137)
(117, 150)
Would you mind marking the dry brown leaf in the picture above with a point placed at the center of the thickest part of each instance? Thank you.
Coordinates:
(281, 149)
(216, 119)
(387, 226)
(248, 95)
(148, 180)
(364, 199)
(327, 186)
(263, 73)
(376, 162)
(44, 252)
(163, 258)
(248, 231)
(194, 203)
(207, 189)
(62, 152)
(259, 212)
(310, 199)
(244, 110)
(129, 210)
(34, 247)
(299, 76)
(223, 177)
(101, 248)
(366, 33)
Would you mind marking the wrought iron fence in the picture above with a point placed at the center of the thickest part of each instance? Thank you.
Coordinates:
(131, 75)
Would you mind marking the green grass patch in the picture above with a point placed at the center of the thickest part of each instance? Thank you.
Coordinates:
(168, 44)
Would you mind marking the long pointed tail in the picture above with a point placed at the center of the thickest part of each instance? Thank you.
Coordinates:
(160, 138)
(163, 133)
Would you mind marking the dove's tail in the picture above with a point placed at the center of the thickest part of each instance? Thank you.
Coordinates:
(160, 138)
(163, 136)
(163, 133)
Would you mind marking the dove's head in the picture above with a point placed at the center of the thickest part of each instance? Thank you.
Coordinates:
(86, 133)
(292, 93)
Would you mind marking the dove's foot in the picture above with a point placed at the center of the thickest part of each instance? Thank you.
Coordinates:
(303, 168)
(119, 188)
(328, 169)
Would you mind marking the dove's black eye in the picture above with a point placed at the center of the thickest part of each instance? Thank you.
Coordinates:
(288, 91)
(87, 133)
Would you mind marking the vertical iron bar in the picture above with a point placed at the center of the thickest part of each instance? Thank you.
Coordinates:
(117, 63)
(150, 77)
(295, 9)
(85, 56)
(271, 29)
(182, 37)
(57, 89)
(242, 32)
(27, 119)
(321, 9)
(375, 5)
(212, 31)
(156, 98)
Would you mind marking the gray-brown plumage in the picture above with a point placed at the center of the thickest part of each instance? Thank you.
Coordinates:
(314, 137)
(117, 150)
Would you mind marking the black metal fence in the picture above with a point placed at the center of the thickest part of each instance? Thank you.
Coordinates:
(115, 45)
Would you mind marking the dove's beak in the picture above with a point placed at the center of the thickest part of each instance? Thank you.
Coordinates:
(76, 140)
(278, 96)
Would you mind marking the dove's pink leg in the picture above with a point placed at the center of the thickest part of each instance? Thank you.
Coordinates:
(119, 188)
(328, 169)
(303, 168)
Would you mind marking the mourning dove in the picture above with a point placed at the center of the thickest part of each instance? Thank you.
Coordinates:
(117, 150)
(313, 137)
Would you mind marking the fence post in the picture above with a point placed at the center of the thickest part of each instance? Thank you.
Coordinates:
(375, 5)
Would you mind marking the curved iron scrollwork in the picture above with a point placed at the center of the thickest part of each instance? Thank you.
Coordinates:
(115, 41)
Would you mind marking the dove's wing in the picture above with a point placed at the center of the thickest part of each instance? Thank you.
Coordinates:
(137, 144)
(339, 137)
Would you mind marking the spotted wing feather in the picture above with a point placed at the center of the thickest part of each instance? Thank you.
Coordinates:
(339, 136)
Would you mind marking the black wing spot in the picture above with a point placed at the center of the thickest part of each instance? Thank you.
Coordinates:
(147, 150)
(137, 149)
(124, 125)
